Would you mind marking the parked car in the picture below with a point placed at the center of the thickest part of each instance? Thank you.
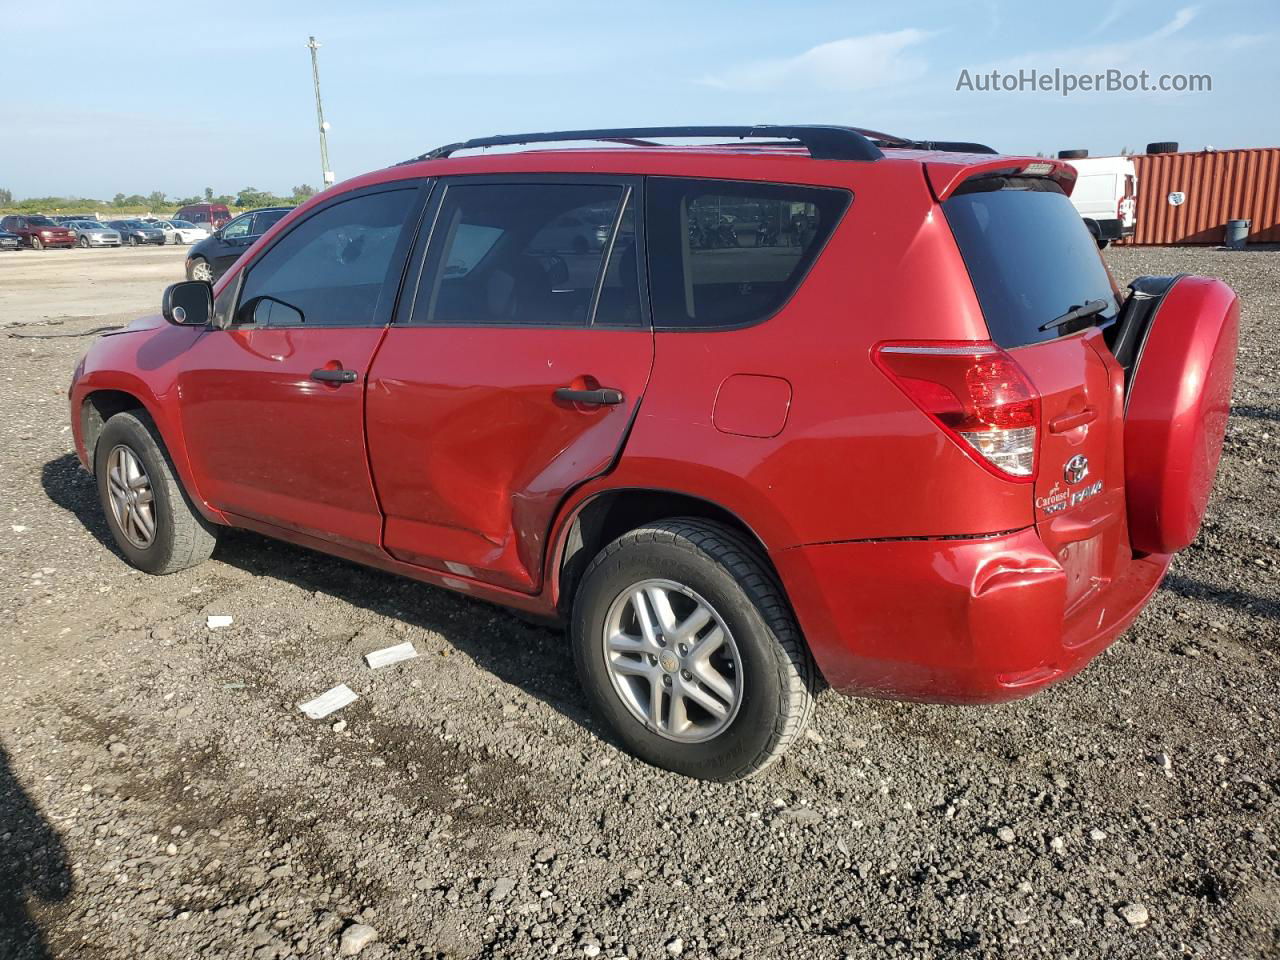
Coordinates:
(212, 257)
(923, 448)
(181, 231)
(211, 216)
(91, 233)
(1106, 195)
(135, 232)
(38, 232)
(9, 241)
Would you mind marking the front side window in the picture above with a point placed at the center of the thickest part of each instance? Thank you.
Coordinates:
(728, 253)
(332, 267)
(517, 254)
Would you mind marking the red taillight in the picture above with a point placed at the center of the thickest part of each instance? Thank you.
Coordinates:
(977, 394)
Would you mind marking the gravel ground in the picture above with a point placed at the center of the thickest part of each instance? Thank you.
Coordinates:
(161, 795)
(57, 285)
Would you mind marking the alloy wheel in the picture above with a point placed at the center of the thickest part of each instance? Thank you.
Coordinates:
(200, 270)
(672, 660)
(132, 498)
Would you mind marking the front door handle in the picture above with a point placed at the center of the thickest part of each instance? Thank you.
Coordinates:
(329, 375)
(601, 396)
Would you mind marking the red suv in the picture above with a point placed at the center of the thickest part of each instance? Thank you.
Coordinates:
(821, 406)
(38, 232)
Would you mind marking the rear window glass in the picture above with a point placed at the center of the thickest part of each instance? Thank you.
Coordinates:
(728, 253)
(1030, 257)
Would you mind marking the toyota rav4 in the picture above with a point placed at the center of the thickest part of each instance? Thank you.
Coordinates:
(814, 406)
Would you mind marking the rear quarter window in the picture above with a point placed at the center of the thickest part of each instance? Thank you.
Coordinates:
(1030, 257)
(730, 253)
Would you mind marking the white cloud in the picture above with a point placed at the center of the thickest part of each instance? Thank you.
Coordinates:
(1130, 53)
(854, 63)
(1118, 9)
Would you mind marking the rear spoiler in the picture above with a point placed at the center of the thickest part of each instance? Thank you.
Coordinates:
(946, 174)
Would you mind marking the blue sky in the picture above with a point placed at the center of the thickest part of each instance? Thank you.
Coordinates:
(179, 96)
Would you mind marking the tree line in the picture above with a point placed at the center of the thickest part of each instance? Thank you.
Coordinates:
(156, 201)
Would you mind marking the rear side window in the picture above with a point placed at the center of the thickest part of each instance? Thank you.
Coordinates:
(529, 253)
(1030, 257)
(263, 222)
(730, 253)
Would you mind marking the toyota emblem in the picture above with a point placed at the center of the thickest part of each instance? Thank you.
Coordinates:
(1076, 469)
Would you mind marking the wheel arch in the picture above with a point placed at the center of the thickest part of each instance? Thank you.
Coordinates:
(96, 408)
(606, 515)
(101, 401)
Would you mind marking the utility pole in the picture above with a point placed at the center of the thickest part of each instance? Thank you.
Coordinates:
(325, 173)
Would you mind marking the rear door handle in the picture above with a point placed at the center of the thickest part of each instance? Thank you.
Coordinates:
(334, 376)
(1069, 421)
(600, 397)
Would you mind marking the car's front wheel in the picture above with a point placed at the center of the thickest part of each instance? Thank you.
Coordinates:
(151, 519)
(84, 241)
(198, 269)
(688, 650)
(37, 243)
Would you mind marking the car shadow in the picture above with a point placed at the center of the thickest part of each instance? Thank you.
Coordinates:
(533, 658)
(72, 488)
(1242, 600)
(1255, 412)
(33, 865)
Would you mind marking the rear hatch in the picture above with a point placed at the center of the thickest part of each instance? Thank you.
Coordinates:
(1046, 294)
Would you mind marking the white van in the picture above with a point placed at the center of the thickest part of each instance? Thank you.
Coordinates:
(1106, 195)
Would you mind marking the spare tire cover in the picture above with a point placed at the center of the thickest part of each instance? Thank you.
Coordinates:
(1176, 415)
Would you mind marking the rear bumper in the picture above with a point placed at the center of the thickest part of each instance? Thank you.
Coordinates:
(954, 621)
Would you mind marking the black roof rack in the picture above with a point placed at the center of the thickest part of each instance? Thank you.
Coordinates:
(822, 142)
(944, 146)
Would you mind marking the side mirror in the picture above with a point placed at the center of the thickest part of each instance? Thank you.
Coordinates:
(188, 304)
(270, 312)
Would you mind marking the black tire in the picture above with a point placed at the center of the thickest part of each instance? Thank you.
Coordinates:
(84, 242)
(1072, 154)
(778, 679)
(37, 243)
(183, 538)
(192, 265)
(1163, 146)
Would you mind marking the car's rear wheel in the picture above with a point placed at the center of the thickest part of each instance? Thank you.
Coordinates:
(37, 243)
(689, 652)
(198, 269)
(151, 519)
(84, 241)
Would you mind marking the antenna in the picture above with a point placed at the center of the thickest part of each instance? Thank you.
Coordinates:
(326, 174)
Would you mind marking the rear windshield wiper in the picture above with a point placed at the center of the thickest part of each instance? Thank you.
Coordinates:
(1090, 309)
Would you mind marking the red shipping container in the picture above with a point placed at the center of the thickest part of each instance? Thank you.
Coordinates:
(1189, 197)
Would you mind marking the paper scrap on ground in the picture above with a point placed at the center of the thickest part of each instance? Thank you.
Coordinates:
(329, 701)
(383, 658)
(218, 620)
